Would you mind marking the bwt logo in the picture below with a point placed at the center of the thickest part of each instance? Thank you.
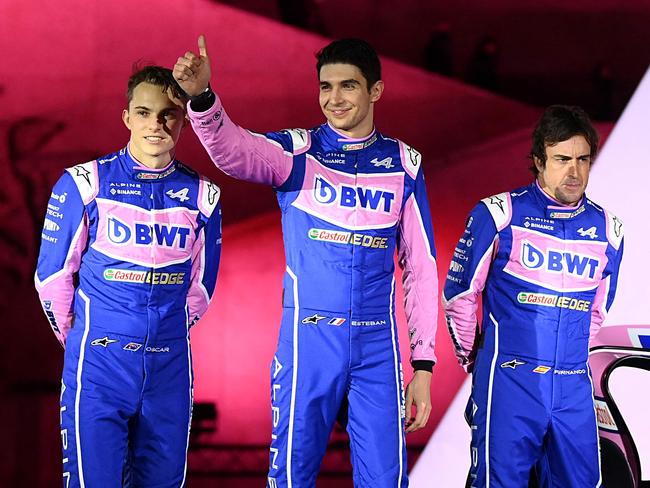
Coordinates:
(141, 234)
(352, 196)
(557, 261)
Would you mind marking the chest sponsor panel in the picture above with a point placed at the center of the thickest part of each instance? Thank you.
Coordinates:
(153, 238)
(558, 264)
(361, 201)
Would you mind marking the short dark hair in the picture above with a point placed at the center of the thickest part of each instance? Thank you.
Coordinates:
(559, 123)
(158, 76)
(356, 52)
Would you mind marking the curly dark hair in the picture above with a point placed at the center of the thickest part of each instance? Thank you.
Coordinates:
(559, 123)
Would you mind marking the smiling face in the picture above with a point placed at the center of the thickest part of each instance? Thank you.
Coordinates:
(345, 99)
(155, 119)
(565, 174)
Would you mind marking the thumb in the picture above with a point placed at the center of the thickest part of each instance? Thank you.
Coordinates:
(203, 48)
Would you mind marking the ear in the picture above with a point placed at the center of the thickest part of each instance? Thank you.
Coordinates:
(126, 119)
(376, 90)
(539, 164)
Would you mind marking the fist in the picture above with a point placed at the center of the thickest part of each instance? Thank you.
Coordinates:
(192, 72)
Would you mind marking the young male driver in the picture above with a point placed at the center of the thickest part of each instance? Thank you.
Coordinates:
(128, 262)
(546, 260)
(349, 197)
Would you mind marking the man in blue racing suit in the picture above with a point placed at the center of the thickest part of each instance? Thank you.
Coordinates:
(350, 197)
(128, 262)
(545, 259)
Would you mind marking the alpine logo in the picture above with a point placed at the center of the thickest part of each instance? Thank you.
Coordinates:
(590, 232)
(141, 234)
(325, 193)
(180, 194)
(385, 163)
(557, 261)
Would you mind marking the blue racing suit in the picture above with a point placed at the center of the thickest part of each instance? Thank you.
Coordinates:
(347, 205)
(128, 262)
(548, 275)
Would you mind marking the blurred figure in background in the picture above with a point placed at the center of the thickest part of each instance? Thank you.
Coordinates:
(482, 69)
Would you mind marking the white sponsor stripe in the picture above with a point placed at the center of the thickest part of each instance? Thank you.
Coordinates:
(148, 264)
(80, 363)
(191, 392)
(398, 385)
(549, 286)
(339, 223)
(153, 211)
(600, 474)
(294, 374)
(489, 402)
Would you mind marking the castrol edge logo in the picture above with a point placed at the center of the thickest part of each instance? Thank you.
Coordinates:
(557, 264)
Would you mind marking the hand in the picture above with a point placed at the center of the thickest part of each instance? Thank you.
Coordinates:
(418, 395)
(192, 72)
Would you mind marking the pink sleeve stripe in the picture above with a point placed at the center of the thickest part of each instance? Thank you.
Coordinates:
(238, 152)
(420, 282)
(598, 308)
(197, 296)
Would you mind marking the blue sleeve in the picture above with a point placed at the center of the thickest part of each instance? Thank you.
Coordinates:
(63, 242)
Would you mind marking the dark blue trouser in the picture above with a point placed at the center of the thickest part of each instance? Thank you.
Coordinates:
(125, 410)
(325, 361)
(524, 412)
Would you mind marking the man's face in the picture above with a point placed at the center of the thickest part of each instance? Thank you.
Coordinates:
(345, 100)
(566, 173)
(155, 119)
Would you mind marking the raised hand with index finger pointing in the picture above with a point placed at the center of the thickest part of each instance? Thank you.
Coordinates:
(192, 72)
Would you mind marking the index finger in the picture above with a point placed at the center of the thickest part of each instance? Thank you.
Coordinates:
(203, 47)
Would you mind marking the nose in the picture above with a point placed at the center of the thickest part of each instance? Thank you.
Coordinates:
(160, 120)
(335, 96)
(572, 169)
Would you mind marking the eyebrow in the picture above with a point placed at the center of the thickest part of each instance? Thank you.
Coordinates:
(350, 80)
(566, 156)
(166, 109)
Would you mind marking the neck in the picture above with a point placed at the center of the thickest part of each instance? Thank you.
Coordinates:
(153, 162)
(552, 197)
(351, 136)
